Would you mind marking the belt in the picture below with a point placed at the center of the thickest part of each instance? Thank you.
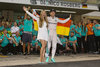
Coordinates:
(28, 32)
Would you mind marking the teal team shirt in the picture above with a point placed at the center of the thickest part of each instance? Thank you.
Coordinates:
(28, 25)
(96, 31)
(17, 40)
(34, 32)
(83, 33)
(17, 21)
(63, 40)
(1, 28)
(8, 29)
(34, 42)
(74, 38)
(79, 30)
(20, 27)
(5, 42)
(72, 26)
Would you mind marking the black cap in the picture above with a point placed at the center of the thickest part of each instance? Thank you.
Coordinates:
(53, 10)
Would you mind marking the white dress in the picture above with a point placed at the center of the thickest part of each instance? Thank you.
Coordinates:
(42, 32)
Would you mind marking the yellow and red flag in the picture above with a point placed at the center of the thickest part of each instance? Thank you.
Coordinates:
(62, 28)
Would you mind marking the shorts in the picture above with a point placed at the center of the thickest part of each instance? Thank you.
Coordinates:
(26, 37)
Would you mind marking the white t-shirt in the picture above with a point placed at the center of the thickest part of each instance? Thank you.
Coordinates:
(14, 30)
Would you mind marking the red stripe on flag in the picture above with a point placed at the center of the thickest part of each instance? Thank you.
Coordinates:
(67, 24)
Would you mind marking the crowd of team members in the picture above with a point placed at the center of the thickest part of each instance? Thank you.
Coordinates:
(83, 37)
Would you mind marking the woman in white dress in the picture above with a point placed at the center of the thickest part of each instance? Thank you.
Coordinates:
(42, 31)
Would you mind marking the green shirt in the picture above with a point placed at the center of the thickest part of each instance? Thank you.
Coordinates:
(72, 26)
(34, 32)
(1, 28)
(5, 41)
(17, 40)
(63, 40)
(79, 30)
(74, 38)
(33, 42)
(83, 33)
(20, 27)
(28, 25)
(18, 21)
(96, 31)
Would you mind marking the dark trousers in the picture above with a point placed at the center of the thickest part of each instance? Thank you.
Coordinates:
(90, 40)
(97, 43)
(7, 49)
(85, 46)
(79, 44)
(17, 49)
(59, 48)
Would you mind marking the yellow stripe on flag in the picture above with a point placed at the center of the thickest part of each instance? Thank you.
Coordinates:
(35, 26)
(63, 30)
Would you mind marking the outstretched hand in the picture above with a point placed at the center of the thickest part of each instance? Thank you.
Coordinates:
(24, 8)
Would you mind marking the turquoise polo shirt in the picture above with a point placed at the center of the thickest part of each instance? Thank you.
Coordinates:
(72, 26)
(5, 41)
(63, 40)
(83, 33)
(33, 42)
(8, 29)
(17, 40)
(17, 21)
(72, 39)
(20, 27)
(34, 32)
(96, 31)
(28, 25)
(1, 28)
(79, 30)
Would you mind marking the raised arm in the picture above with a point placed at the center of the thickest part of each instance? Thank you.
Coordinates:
(64, 21)
(26, 13)
(30, 14)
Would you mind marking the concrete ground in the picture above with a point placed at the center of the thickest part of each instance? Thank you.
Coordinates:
(34, 59)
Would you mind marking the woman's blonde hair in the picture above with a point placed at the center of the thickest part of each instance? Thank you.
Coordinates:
(42, 19)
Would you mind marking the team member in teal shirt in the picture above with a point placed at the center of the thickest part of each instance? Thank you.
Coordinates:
(18, 20)
(34, 32)
(72, 28)
(35, 44)
(61, 48)
(1, 28)
(84, 37)
(97, 34)
(78, 31)
(17, 43)
(63, 40)
(21, 27)
(27, 33)
(72, 41)
(4, 40)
